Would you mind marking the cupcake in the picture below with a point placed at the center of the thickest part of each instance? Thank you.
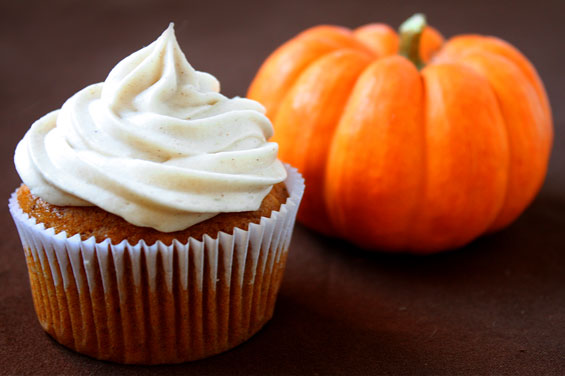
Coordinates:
(154, 215)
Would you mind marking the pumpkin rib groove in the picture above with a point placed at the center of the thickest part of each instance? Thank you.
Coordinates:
(421, 220)
(417, 213)
(510, 153)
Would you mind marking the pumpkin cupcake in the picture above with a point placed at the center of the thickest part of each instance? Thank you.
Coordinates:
(154, 214)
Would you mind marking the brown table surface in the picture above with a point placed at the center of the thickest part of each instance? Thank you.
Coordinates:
(496, 306)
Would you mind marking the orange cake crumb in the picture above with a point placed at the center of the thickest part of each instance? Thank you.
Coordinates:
(92, 221)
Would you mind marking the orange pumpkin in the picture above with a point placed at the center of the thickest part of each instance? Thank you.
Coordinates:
(420, 149)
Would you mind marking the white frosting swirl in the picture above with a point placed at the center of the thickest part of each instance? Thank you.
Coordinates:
(156, 144)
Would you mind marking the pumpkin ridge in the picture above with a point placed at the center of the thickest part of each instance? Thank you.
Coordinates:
(516, 200)
(387, 39)
(359, 215)
(489, 227)
(465, 214)
(356, 44)
(329, 156)
(306, 144)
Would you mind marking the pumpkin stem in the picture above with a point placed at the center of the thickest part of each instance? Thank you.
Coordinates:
(410, 33)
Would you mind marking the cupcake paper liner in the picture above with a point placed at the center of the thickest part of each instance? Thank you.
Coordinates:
(151, 304)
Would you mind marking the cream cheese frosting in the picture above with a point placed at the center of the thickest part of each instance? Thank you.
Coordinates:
(155, 143)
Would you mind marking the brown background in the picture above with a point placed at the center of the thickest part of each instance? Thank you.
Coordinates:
(494, 307)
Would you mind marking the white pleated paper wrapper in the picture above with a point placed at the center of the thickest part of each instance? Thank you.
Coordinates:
(158, 304)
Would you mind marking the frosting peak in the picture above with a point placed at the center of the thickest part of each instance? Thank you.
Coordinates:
(156, 144)
(160, 80)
